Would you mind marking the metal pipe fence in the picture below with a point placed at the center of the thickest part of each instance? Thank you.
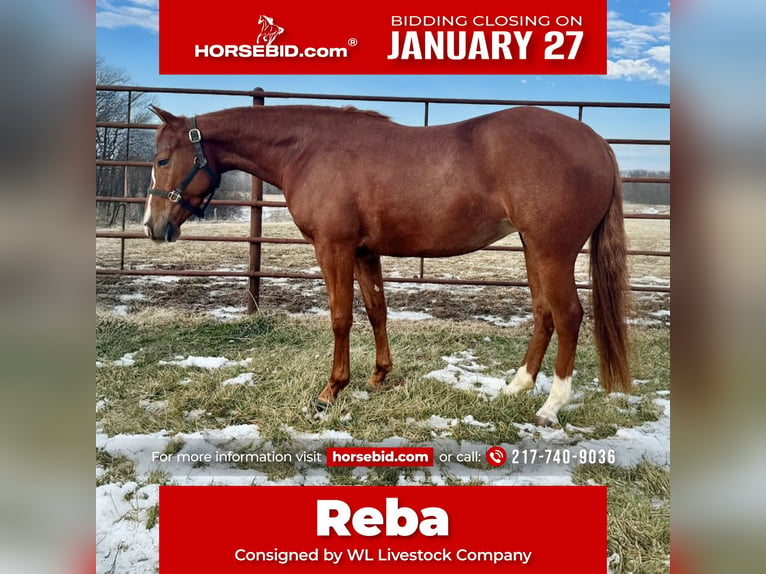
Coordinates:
(256, 203)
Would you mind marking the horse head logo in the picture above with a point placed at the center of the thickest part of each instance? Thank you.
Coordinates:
(269, 30)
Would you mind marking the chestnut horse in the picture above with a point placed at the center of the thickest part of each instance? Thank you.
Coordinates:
(360, 186)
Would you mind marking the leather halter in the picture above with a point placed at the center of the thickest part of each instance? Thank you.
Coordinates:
(200, 163)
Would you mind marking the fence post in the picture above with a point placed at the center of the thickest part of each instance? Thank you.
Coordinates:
(425, 123)
(125, 183)
(256, 229)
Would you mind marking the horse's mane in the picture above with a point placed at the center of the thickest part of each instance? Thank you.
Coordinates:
(345, 110)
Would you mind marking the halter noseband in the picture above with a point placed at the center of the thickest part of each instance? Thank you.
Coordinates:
(200, 163)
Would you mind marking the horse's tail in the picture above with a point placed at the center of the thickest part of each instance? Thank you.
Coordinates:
(609, 275)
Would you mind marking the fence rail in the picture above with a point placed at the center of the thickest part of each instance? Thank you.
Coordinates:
(256, 203)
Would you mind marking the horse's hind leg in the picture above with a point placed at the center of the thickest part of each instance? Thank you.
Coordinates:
(557, 282)
(543, 330)
(370, 278)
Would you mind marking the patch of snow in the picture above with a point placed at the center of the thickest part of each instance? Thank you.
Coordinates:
(459, 358)
(649, 441)
(466, 380)
(409, 315)
(229, 312)
(438, 423)
(543, 384)
(241, 379)
(654, 280)
(510, 322)
(321, 436)
(462, 373)
(316, 311)
(127, 360)
(646, 322)
(469, 420)
(205, 362)
(574, 431)
(361, 395)
(123, 541)
(132, 297)
(159, 278)
(121, 310)
(194, 414)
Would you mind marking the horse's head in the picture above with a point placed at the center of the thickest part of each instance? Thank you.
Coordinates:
(178, 190)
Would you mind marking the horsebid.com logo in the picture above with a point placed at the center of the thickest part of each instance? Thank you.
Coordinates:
(269, 30)
(264, 46)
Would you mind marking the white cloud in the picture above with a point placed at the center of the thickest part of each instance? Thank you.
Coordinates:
(637, 69)
(125, 13)
(639, 51)
(660, 54)
(631, 40)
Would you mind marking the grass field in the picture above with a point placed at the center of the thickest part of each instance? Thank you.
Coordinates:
(151, 396)
(173, 377)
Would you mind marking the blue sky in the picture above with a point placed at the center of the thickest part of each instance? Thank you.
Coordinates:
(638, 70)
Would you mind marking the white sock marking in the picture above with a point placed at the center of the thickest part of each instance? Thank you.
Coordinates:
(561, 391)
(523, 381)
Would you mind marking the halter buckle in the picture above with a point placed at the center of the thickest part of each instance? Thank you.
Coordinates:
(174, 196)
(195, 136)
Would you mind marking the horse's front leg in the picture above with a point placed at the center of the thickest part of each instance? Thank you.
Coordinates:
(337, 264)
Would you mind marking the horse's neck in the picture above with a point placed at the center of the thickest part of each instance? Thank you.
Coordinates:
(259, 141)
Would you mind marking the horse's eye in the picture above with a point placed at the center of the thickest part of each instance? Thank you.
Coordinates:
(163, 162)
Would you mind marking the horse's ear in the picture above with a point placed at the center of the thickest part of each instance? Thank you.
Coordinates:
(165, 116)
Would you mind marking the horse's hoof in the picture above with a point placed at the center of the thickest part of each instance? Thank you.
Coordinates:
(322, 406)
(386, 385)
(544, 421)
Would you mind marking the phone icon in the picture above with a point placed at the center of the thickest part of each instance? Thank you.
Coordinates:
(496, 456)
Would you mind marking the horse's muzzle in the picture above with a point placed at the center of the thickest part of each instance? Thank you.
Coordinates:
(167, 233)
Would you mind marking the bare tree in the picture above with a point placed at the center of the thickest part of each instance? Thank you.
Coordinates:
(120, 143)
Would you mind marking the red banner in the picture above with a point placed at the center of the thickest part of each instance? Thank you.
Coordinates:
(394, 37)
(371, 529)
